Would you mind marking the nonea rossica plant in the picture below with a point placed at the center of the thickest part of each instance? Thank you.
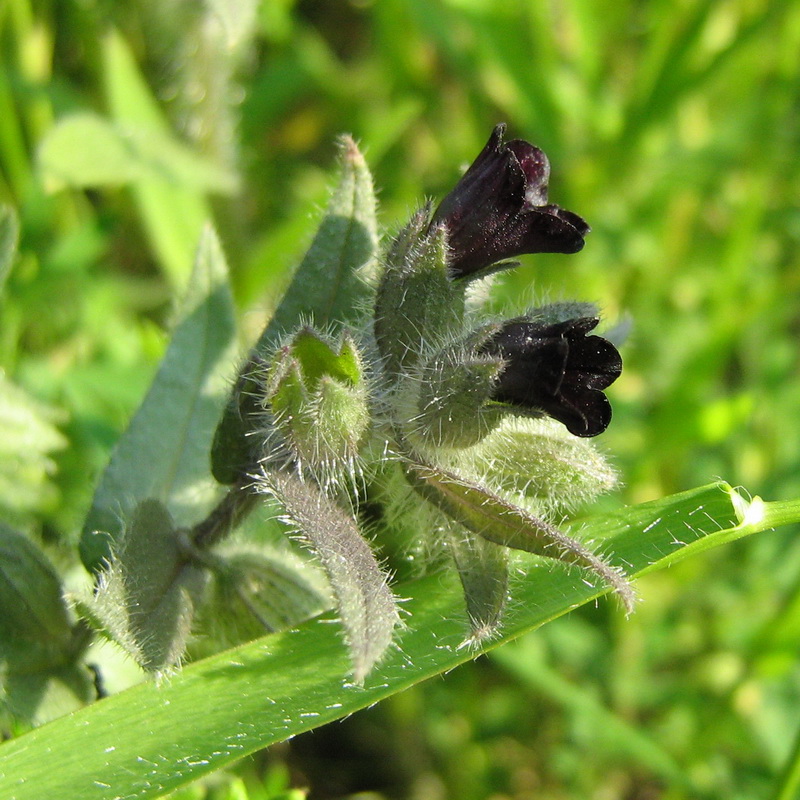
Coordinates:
(379, 412)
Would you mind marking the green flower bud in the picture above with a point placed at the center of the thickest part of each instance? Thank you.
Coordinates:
(318, 399)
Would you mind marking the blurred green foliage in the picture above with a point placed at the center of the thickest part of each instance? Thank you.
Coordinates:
(673, 127)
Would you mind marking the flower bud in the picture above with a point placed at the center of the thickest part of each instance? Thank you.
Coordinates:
(452, 407)
(541, 465)
(318, 398)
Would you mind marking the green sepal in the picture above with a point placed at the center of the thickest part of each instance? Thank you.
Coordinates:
(539, 460)
(496, 519)
(343, 418)
(318, 358)
(332, 285)
(452, 407)
(417, 305)
(286, 394)
(483, 569)
(365, 604)
(146, 597)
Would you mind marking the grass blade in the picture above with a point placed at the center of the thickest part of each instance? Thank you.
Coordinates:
(153, 738)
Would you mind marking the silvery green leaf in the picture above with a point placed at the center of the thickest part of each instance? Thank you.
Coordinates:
(366, 605)
(164, 452)
(146, 596)
(35, 627)
(256, 590)
(42, 674)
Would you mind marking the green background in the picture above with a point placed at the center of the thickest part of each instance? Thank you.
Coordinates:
(672, 127)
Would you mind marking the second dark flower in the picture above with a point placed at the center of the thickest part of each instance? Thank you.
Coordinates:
(557, 369)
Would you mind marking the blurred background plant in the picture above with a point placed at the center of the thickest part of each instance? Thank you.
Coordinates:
(673, 128)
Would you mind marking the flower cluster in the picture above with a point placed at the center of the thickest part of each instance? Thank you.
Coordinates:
(462, 398)
(467, 436)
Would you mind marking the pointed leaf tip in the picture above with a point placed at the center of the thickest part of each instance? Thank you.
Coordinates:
(497, 520)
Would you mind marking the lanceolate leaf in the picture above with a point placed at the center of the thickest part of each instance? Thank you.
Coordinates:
(365, 604)
(147, 595)
(499, 521)
(335, 273)
(165, 450)
(35, 627)
(154, 738)
(42, 674)
(333, 279)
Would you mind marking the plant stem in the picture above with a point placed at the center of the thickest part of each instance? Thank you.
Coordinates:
(229, 512)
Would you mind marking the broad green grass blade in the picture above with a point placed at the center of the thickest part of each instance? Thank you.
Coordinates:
(164, 453)
(153, 738)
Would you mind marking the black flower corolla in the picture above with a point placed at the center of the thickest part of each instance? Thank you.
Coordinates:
(556, 369)
(499, 209)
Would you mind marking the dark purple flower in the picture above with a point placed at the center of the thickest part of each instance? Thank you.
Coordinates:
(557, 369)
(499, 209)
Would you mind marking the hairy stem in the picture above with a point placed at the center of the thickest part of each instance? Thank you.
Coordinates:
(237, 503)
